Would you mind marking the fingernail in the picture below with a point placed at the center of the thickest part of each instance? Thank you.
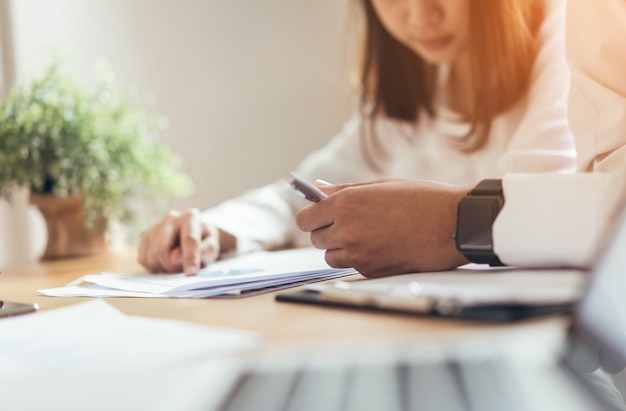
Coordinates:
(191, 270)
(323, 183)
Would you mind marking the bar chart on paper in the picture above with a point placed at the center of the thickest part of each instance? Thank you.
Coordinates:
(248, 274)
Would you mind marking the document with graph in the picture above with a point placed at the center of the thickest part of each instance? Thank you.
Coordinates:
(248, 274)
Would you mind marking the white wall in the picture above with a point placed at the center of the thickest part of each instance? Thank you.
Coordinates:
(249, 86)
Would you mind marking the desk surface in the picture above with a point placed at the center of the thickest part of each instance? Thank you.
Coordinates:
(279, 323)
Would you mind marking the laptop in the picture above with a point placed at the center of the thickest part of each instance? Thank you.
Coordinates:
(517, 372)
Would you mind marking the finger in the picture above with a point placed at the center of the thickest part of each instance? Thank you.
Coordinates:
(325, 238)
(166, 237)
(143, 254)
(337, 258)
(148, 249)
(326, 187)
(190, 239)
(176, 257)
(329, 188)
(314, 216)
(344, 258)
(210, 246)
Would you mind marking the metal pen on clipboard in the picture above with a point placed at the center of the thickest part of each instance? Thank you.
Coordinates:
(442, 305)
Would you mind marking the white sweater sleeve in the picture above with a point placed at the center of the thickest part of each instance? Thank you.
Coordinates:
(263, 218)
(562, 220)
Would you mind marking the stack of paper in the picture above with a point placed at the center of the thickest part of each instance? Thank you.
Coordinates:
(244, 275)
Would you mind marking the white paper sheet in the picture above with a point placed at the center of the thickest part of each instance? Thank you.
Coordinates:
(246, 274)
(95, 336)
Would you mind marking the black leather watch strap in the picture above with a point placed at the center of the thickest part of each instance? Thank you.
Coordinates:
(476, 213)
(488, 187)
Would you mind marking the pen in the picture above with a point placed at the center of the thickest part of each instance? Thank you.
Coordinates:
(442, 305)
(306, 189)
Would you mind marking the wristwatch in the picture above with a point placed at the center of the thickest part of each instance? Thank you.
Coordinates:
(475, 216)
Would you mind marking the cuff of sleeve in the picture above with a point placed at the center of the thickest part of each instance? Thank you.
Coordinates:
(553, 220)
(244, 245)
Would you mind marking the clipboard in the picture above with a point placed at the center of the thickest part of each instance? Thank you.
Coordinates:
(490, 295)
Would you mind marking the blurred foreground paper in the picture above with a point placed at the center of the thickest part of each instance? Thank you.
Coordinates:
(248, 274)
(95, 336)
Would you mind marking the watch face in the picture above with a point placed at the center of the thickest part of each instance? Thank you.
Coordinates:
(475, 220)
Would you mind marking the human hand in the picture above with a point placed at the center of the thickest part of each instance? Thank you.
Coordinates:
(386, 227)
(180, 242)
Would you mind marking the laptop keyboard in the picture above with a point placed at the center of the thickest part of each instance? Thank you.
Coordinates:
(478, 385)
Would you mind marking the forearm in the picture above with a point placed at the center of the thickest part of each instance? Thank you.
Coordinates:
(258, 219)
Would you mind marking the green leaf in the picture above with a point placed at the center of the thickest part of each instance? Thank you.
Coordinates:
(103, 143)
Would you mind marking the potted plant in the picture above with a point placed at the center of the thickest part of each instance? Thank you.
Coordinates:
(88, 156)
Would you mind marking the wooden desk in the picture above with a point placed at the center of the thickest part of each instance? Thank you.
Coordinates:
(279, 323)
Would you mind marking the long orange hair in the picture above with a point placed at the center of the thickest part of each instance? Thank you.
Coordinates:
(503, 43)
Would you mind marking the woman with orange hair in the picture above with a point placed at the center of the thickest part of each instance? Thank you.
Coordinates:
(454, 91)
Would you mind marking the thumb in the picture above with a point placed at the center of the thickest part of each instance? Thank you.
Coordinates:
(329, 188)
(326, 187)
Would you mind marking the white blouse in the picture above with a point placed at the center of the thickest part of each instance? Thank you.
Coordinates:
(531, 137)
